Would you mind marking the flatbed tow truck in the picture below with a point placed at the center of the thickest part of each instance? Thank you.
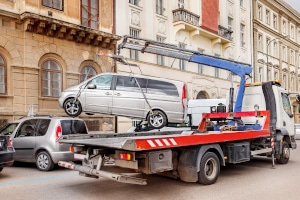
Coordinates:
(260, 124)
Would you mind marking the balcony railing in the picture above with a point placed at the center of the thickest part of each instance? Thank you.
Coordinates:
(181, 14)
(190, 18)
(225, 32)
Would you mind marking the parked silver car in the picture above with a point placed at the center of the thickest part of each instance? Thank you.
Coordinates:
(35, 139)
(130, 96)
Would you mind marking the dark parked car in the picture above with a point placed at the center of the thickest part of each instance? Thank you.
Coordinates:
(35, 139)
(6, 152)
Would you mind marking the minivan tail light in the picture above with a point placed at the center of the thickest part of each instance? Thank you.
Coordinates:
(9, 142)
(183, 95)
(58, 133)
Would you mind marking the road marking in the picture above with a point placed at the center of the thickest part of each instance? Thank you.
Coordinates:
(38, 179)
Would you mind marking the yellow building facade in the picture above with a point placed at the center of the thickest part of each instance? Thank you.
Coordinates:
(47, 46)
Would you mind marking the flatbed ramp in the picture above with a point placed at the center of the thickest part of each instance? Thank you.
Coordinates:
(160, 140)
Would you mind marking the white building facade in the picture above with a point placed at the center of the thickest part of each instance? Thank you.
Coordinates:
(213, 27)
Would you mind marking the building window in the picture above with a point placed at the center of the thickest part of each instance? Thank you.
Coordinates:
(268, 49)
(180, 3)
(89, 13)
(284, 81)
(160, 7)
(275, 21)
(2, 76)
(160, 59)
(87, 72)
(267, 16)
(292, 84)
(51, 79)
(276, 75)
(275, 49)
(283, 53)
(242, 3)
(292, 32)
(292, 57)
(284, 26)
(200, 66)
(134, 33)
(242, 35)
(259, 40)
(135, 2)
(260, 74)
(259, 12)
(182, 62)
(230, 21)
(55, 4)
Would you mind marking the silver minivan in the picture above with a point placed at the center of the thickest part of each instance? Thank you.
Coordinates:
(159, 101)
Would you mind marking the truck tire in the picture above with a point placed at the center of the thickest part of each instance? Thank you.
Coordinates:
(44, 162)
(1, 168)
(72, 108)
(285, 156)
(209, 169)
(157, 120)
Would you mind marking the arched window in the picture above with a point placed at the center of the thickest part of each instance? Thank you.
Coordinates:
(2, 76)
(51, 79)
(87, 72)
(201, 95)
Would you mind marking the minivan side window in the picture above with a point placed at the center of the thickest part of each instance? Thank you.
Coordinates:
(27, 128)
(128, 83)
(162, 87)
(43, 126)
(103, 82)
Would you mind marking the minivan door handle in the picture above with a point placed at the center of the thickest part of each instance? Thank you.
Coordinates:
(118, 94)
(107, 93)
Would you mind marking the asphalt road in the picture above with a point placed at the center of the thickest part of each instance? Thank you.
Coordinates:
(251, 180)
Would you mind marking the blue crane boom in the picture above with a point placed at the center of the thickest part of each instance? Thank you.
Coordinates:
(169, 50)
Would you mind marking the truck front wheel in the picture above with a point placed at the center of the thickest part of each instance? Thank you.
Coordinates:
(209, 169)
(285, 156)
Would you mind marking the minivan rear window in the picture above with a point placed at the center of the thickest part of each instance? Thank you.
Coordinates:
(73, 127)
(161, 87)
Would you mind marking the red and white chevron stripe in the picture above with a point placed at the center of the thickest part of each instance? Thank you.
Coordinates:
(166, 142)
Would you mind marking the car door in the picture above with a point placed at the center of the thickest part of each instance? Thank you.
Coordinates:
(98, 94)
(128, 99)
(24, 141)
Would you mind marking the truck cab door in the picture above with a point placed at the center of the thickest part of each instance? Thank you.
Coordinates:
(286, 111)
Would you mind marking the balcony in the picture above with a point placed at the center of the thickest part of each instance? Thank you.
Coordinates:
(67, 31)
(189, 21)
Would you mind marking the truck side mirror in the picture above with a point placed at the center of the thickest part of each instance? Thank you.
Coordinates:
(298, 98)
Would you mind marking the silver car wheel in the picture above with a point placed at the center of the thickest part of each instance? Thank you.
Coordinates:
(72, 107)
(44, 161)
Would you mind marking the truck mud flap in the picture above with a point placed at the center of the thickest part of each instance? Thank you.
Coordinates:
(99, 173)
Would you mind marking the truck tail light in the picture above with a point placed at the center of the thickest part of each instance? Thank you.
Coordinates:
(71, 149)
(183, 95)
(125, 156)
(58, 133)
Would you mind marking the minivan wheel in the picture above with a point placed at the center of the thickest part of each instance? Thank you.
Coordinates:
(44, 162)
(157, 120)
(72, 108)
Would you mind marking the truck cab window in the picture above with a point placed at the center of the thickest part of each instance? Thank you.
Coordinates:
(286, 104)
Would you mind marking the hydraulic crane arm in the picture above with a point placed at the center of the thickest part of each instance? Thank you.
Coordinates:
(169, 50)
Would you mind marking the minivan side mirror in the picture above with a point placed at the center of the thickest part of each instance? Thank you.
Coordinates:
(91, 86)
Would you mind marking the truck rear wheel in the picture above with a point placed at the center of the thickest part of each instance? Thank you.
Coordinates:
(209, 169)
(285, 156)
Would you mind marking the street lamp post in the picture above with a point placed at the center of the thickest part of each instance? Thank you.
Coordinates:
(286, 36)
